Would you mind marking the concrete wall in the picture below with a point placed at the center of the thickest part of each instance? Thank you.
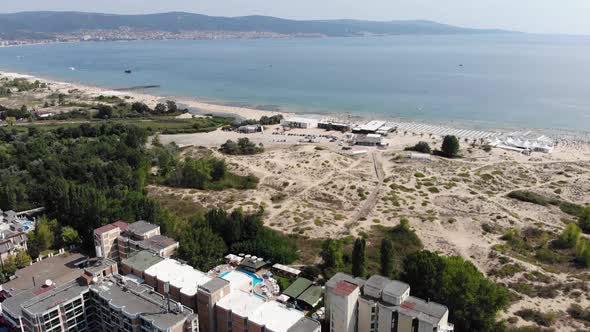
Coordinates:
(367, 315)
(253, 327)
(385, 319)
(405, 323)
(223, 318)
(343, 311)
(189, 301)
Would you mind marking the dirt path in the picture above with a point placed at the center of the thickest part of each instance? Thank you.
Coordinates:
(370, 202)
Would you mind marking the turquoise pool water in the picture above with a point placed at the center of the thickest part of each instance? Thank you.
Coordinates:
(27, 225)
(255, 279)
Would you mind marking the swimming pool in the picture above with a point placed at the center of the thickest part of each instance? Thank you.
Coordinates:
(27, 225)
(255, 279)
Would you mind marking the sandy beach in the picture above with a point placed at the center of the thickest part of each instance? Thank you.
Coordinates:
(149, 99)
(327, 189)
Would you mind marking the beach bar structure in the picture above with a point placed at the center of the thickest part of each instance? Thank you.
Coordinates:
(303, 123)
(333, 125)
(250, 129)
(373, 127)
(285, 271)
(368, 140)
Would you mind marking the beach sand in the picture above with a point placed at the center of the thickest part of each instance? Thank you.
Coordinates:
(318, 190)
(149, 99)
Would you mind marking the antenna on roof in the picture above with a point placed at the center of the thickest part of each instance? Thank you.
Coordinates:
(167, 292)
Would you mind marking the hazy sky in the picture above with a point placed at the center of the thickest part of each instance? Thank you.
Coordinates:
(544, 16)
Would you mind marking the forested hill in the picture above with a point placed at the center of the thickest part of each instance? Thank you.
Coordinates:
(44, 24)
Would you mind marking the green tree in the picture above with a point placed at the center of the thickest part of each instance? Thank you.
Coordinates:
(160, 108)
(140, 108)
(70, 236)
(421, 147)
(11, 120)
(569, 237)
(9, 266)
(423, 271)
(585, 219)
(104, 111)
(582, 253)
(473, 300)
(359, 258)
(450, 146)
(44, 237)
(22, 259)
(201, 247)
(386, 257)
(332, 254)
(172, 107)
(230, 147)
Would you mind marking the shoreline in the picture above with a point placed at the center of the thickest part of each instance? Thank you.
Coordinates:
(244, 112)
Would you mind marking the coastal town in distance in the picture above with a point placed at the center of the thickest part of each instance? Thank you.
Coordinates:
(127, 207)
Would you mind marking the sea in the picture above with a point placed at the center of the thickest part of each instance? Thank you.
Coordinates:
(505, 81)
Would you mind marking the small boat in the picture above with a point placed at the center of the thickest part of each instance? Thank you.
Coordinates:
(72, 68)
(460, 65)
(128, 71)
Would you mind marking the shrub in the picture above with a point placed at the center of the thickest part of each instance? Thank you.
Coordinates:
(421, 147)
(582, 254)
(450, 146)
(569, 237)
(529, 197)
(577, 312)
(585, 219)
(531, 315)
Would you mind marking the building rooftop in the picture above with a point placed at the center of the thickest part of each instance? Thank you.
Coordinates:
(179, 275)
(241, 303)
(275, 316)
(138, 300)
(287, 269)
(297, 288)
(121, 224)
(344, 276)
(142, 260)
(254, 264)
(431, 312)
(305, 324)
(59, 269)
(312, 296)
(238, 280)
(372, 125)
(301, 120)
(158, 242)
(141, 227)
(95, 266)
(396, 288)
(375, 285)
(344, 288)
(49, 297)
(104, 229)
(214, 285)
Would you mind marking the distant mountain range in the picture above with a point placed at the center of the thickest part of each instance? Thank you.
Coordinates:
(43, 25)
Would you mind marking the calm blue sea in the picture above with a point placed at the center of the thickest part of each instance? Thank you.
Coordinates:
(482, 81)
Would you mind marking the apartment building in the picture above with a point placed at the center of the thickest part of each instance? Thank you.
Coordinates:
(223, 308)
(181, 280)
(380, 305)
(120, 240)
(98, 300)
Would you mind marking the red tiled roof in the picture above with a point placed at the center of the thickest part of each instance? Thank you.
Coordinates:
(408, 305)
(107, 228)
(344, 288)
(43, 290)
(121, 224)
(104, 229)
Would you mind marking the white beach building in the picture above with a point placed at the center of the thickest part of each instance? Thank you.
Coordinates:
(303, 123)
